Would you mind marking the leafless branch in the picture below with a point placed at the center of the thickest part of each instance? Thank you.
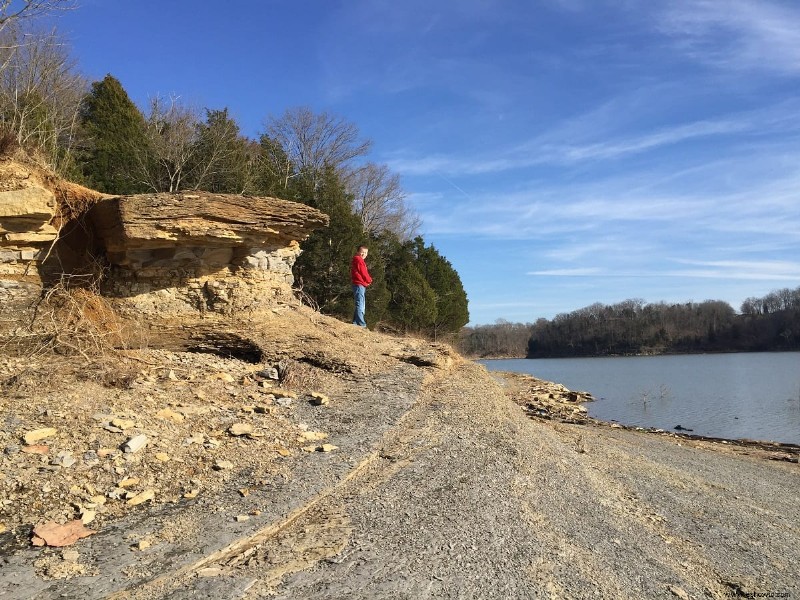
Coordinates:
(312, 141)
(380, 201)
(40, 93)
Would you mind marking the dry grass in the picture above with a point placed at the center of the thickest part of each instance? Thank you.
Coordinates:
(74, 319)
(298, 376)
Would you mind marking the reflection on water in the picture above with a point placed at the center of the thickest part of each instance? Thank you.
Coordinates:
(743, 395)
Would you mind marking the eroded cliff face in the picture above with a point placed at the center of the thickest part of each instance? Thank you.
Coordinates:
(36, 235)
(26, 209)
(178, 259)
(178, 255)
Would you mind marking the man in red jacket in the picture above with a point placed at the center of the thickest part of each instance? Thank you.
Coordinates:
(361, 279)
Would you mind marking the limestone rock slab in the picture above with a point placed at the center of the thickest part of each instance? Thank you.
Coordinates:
(154, 221)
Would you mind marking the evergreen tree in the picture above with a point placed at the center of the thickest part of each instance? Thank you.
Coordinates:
(413, 302)
(451, 300)
(223, 161)
(116, 141)
(323, 269)
(426, 294)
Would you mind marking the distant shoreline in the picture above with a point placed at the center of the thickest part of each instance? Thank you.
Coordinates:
(635, 355)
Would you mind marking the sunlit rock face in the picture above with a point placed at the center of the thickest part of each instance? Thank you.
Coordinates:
(25, 215)
(33, 206)
(159, 258)
(201, 253)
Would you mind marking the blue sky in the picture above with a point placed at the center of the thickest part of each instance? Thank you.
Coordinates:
(559, 152)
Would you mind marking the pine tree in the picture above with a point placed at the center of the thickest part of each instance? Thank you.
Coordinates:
(116, 142)
(413, 303)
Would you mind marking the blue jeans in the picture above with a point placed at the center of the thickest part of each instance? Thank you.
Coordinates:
(360, 297)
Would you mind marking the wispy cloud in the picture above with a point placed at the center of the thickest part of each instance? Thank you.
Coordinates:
(567, 272)
(740, 269)
(648, 141)
(738, 34)
(590, 138)
(710, 273)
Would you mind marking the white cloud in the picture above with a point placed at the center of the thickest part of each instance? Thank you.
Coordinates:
(602, 135)
(648, 140)
(740, 269)
(738, 34)
(587, 272)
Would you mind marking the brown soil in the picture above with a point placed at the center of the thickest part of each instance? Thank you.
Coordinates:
(442, 480)
(184, 402)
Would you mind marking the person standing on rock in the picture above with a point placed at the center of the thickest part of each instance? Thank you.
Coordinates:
(361, 279)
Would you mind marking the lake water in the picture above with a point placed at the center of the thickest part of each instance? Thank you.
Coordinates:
(743, 395)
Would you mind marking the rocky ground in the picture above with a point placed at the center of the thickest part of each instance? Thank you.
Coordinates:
(339, 463)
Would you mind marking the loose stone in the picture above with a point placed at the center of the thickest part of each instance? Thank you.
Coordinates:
(318, 399)
(135, 444)
(141, 497)
(39, 434)
(238, 429)
(170, 415)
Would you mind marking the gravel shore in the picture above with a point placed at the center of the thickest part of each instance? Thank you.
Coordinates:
(440, 480)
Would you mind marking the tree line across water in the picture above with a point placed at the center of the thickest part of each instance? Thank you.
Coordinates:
(634, 327)
(92, 133)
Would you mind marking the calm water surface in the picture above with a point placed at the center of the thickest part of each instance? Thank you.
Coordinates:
(744, 395)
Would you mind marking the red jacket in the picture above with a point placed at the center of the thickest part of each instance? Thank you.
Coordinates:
(358, 272)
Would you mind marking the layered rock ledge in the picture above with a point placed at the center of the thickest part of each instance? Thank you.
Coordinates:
(146, 261)
(177, 255)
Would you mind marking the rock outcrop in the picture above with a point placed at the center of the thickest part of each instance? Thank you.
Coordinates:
(177, 255)
(157, 258)
(26, 209)
(34, 209)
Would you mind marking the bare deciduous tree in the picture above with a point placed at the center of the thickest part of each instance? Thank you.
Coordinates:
(16, 10)
(274, 162)
(250, 168)
(40, 94)
(379, 200)
(312, 141)
(172, 132)
(225, 161)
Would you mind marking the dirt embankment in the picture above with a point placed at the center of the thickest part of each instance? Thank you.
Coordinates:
(339, 463)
